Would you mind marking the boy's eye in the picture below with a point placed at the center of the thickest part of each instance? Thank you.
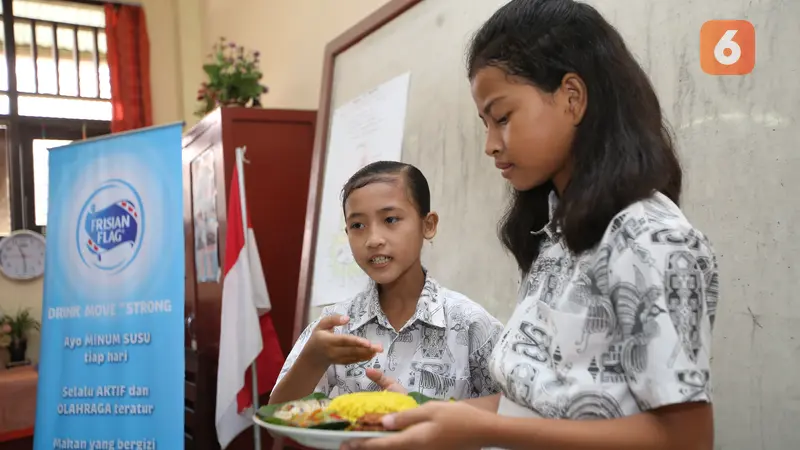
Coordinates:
(392, 220)
(356, 225)
(503, 120)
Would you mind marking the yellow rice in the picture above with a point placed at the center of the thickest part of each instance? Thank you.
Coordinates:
(353, 406)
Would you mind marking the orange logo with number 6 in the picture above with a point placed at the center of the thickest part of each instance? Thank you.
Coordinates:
(727, 47)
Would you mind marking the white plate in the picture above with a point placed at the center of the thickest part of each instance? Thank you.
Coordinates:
(319, 439)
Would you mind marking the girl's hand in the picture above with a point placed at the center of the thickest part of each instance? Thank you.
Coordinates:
(433, 426)
(385, 383)
(327, 347)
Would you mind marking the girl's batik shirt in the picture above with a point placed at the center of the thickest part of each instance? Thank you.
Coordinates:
(442, 351)
(620, 329)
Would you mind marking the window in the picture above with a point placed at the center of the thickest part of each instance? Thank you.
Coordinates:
(41, 176)
(73, 71)
(54, 89)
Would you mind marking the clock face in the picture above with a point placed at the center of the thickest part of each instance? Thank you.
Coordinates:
(22, 255)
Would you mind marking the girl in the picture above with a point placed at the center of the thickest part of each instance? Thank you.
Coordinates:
(619, 290)
(433, 340)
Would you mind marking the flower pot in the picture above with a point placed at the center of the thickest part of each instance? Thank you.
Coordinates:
(17, 350)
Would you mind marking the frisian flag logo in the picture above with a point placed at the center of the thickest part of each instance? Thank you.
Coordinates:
(111, 226)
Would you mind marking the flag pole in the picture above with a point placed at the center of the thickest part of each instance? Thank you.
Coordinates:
(240, 160)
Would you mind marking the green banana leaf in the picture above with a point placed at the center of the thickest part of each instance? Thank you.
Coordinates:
(421, 398)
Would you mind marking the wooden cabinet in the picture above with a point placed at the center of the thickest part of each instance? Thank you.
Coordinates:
(279, 148)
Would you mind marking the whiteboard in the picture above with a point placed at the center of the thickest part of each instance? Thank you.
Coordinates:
(366, 129)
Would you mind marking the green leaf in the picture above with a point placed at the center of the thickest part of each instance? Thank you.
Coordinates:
(213, 71)
(316, 396)
(421, 398)
(267, 411)
(276, 421)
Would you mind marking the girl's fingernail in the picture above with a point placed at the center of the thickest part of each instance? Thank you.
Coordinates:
(388, 421)
(344, 319)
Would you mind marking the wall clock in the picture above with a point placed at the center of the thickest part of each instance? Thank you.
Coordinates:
(22, 255)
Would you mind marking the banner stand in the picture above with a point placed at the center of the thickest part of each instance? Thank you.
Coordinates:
(111, 372)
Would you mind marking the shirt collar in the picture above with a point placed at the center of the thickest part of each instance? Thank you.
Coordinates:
(552, 230)
(430, 307)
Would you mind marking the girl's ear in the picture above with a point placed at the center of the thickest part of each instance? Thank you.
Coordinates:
(429, 224)
(575, 97)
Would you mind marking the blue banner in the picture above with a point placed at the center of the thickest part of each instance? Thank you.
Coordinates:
(111, 372)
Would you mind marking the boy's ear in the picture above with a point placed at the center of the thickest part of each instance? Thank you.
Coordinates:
(429, 224)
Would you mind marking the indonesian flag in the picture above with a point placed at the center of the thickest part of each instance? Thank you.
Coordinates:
(246, 331)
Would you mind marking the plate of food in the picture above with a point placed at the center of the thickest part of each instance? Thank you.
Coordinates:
(319, 422)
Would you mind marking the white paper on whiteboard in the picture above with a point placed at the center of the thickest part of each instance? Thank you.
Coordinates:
(368, 128)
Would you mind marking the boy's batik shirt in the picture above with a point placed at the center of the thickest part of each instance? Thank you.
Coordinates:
(441, 352)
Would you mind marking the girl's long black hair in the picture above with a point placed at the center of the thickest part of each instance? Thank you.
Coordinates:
(623, 150)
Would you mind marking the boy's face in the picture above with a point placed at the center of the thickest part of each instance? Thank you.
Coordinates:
(385, 230)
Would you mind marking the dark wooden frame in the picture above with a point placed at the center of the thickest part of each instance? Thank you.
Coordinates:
(349, 38)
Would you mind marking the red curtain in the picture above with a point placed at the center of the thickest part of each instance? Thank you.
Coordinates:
(129, 67)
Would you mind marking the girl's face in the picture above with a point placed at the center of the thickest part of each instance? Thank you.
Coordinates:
(385, 229)
(529, 132)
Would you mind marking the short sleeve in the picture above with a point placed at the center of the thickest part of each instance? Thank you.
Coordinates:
(484, 333)
(665, 294)
(325, 384)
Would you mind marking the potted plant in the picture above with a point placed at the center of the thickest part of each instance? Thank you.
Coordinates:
(5, 333)
(234, 78)
(14, 331)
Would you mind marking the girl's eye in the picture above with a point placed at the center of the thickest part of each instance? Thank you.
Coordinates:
(503, 120)
(356, 225)
(392, 220)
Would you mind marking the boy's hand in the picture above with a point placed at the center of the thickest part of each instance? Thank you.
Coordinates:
(331, 348)
(385, 382)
